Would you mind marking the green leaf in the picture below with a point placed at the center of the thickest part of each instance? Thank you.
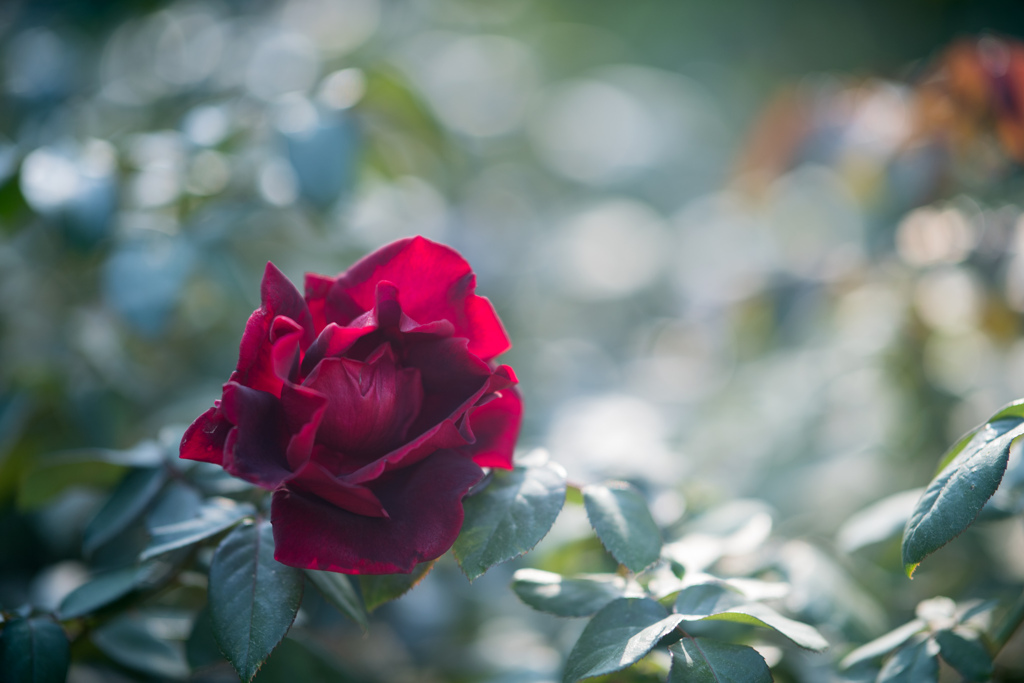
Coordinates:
(704, 599)
(127, 502)
(712, 601)
(133, 641)
(201, 648)
(701, 660)
(380, 588)
(101, 591)
(756, 614)
(883, 644)
(178, 503)
(253, 597)
(215, 515)
(33, 651)
(953, 499)
(878, 522)
(338, 590)
(619, 515)
(963, 651)
(578, 596)
(509, 516)
(299, 661)
(915, 663)
(620, 635)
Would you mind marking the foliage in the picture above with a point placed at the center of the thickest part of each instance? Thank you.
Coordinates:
(750, 308)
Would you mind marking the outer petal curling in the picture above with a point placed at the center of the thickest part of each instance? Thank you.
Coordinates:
(425, 507)
(495, 427)
(204, 439)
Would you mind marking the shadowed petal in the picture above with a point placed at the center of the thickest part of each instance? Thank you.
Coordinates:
(425, 507)
(315, 479)
(255, 448)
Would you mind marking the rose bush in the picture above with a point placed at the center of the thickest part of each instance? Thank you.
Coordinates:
(368, 407)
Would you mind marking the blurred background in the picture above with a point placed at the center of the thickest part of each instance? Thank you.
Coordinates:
(763, 259)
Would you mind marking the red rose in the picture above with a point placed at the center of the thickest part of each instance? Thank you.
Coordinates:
(368, 407)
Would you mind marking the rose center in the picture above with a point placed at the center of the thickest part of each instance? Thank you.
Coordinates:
(371, 403)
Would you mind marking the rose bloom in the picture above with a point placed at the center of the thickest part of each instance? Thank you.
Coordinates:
(368, 407)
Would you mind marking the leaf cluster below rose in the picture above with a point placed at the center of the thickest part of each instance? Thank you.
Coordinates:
(368, 407)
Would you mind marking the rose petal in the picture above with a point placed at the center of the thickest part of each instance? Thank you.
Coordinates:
(280, 297)
(204, 439)
(317, 287)
(495, 426)
(312, 478)
(268, 353)
(303, 412)
(255, 448)
(451, 432)
(451, 374)
(332, 342)
(370, 405)
(425, 507)
(435, 283)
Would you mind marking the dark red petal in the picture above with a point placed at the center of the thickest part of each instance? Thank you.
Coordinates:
(332, 342)
(450, 432)
(204, 439)
(255, 448)
(451, 376)
(303, 412)
(370, 405)
(445, 435)
(495, 425)
(315, 479)
(317, 287)
(280, 297)
(435, 283)
(425, 507)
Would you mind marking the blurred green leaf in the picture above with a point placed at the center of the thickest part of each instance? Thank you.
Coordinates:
(215, 515)
(33, 650)
(964, 651)
(619, 515)
(915, 663)
(201, 648)
(378, 589)
(884, 644)
(134, 641)
(127, 502)
(621, 634)
(577, 596)
(296, 661)
(712, 601)
(338, 590)
(702, 660)
(509, 516)
(954, 498)
(877, 522)
(102, 590)
(705, 599)
(177, 503)
(756, 614)
(253, 597)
